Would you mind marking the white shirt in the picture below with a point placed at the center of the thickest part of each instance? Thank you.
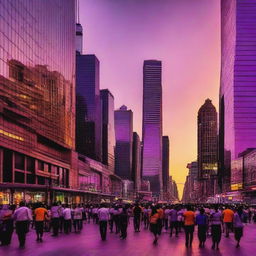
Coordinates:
(77, 214)
(103, 214)
(67, 214)
(22, 214)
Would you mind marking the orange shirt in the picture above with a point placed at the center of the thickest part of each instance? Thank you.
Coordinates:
(40, 214)
(189, 217)
(161, 213)
(228, 215)
(154, 218)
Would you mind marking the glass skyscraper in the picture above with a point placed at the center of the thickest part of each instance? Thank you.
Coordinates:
(152, 124)
(37, 95)
(124, 138)
(238, 87)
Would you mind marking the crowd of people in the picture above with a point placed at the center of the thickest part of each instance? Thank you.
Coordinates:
(211, 220)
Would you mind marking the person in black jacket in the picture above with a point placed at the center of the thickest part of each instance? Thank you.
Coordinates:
(137, 211)
(123, 217)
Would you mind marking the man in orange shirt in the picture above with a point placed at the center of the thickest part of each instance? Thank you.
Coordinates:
(189, 224)
(40, 216)
(228, 216)
(160, 211)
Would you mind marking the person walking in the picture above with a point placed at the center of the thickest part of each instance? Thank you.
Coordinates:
(173, 216)
(189, 225)
(202, 223)
(137, 211)
(67, 219)
(238, 225)
(154, 217)
(55, 218)
(146, 213)
(40, 214)
(124, 222)
(103, 217)
(6, 224)
(228, 216)
(22, 217)
(216, 220)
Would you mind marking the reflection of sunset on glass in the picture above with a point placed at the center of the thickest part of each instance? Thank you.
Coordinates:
(184, 35)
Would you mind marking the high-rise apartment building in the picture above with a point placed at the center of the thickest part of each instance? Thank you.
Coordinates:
(124, 136)
(108, 129)
(88, 107)
(152, 125)
(238, 87)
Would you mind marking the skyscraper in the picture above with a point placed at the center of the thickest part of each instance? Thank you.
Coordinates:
(108, 129)
(88, 107)
(136, 162)
(124, 136)
(152, 124)
(79, 38)
(238, 87)
(165, 159)
(37, 96)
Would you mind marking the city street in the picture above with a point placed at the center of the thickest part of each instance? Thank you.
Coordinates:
(88, 243)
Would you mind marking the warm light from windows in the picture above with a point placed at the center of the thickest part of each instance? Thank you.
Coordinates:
(11, 135)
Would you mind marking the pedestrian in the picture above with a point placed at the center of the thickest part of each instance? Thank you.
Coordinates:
(154, 216)
(216, 220)
(116, 220)
(137, 211)
(202, 223)
(61, 219)
(189, 225)
(67, 219)
(146, 213)
(173, 216)
(161, 218)
(238, 225)
(103, 217)
(6, 224)
(77, 218)
(124, 222)
(22, 217)
(55, 218)
(40, 214)
(228, 216)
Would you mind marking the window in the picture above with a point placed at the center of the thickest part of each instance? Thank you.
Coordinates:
(19, 177)
(40, 165)
(30, 164)
(7, 165)
(19, 161)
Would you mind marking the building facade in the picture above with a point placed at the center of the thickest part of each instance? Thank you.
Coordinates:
(124, 136)
(37, 111)
(108, 129)
(136, 162)
(166, 161)
(88, 107)
(237, 89)
(152, 125)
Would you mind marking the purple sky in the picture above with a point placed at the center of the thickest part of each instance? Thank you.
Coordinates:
(184, 34)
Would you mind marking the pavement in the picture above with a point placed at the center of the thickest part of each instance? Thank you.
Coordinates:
(88, 243)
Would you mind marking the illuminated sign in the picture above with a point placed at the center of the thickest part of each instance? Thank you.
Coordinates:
(11, 135)
(236, 186)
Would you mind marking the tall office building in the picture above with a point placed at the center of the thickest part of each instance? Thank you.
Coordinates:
(238, 87)
(166, 161)
(152, 125)
(108, 129)
(124, 136)
(37, 95)
(88, 107)
(136, 162)
(79, 38)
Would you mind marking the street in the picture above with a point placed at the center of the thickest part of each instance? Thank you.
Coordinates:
(88, 243)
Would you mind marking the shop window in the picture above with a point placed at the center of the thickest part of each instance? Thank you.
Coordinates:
(30, 164)
(19, 177)
(19, 161)
(40, 165)
(7, 165)
(40, 180)
(31, 179)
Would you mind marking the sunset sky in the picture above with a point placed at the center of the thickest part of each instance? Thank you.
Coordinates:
(184, 35)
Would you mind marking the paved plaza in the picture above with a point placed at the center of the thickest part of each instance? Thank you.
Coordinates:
(88, 243)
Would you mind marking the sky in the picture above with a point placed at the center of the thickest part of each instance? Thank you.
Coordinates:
(184, 35)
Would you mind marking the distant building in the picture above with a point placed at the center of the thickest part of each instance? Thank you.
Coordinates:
(136, 162)
(79, 38)
(237, 85)
(152, 125)
(165, 159)
(88, 107)
(108, 129)
(124, 138)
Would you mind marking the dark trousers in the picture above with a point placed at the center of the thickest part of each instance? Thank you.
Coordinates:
(166, 224)
(21, 230)
(111, 224)
(55, 226)
(123, 228)
(39, 225)
(202, 229)
(159, 226)
(61, 224)
(189, 231)
(117, 223)
(77, 225)
(174, 224)
(103, 229)
(67, 226)
(136, 223)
